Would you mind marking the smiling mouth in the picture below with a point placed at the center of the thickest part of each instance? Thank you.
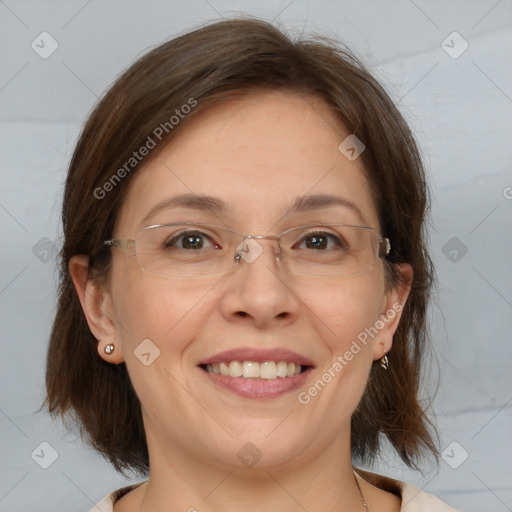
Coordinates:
(267, 370)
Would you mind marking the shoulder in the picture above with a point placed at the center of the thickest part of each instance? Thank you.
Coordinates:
(413, 499)
(416, 500)
(107, 503)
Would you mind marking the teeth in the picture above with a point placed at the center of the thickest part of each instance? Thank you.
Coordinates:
(224, 369)
(269, 370)
(282, 369)
(250, 369)
(236, 369)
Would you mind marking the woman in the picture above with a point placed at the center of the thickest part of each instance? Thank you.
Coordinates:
(244, 279)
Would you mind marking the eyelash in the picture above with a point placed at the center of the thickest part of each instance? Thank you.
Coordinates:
(339, 241)
(170, 243)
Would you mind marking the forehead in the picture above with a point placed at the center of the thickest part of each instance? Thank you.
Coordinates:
(259, 154)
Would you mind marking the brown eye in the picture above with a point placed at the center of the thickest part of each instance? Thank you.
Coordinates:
(320, 241)
(317, 242)
(192, 240)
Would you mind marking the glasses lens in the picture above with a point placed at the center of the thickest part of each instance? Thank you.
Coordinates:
(331, 250)
(188, 250)
(182, 250)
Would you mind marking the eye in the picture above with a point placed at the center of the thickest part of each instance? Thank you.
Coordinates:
(320, 240)
(190, 240)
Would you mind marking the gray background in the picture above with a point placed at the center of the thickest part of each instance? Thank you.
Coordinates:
(461, 111)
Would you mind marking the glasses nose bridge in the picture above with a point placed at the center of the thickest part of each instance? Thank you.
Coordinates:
(274, 238)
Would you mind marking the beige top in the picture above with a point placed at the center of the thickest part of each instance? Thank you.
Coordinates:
(413, 499)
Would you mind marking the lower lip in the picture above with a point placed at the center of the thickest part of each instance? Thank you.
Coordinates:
(259, 388)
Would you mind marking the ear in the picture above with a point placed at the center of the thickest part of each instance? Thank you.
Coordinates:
(97, 306)
(391, 311)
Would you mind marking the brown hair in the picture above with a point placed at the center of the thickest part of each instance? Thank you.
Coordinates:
(211, 64)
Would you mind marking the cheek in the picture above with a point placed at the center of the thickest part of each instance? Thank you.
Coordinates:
(159, 309)
(170, 314)
(345, 312)
(346, 308)
(341, 313)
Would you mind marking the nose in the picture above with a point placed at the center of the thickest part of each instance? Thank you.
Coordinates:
(258, 292)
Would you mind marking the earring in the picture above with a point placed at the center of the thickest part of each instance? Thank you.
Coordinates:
(109, 349)
(384, 362)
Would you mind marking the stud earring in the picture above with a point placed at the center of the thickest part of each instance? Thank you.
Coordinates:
(384, 362)
(109, 349)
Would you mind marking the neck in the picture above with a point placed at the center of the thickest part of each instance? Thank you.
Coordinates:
(325, 482)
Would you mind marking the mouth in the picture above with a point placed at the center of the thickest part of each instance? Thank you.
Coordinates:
(252, 373)
(267, 370)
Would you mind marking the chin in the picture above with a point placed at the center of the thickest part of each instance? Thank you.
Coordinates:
(259, 449)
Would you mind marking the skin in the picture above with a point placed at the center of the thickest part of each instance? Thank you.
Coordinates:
(279, 146)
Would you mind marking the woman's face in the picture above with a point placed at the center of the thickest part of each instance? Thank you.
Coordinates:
(257, 156)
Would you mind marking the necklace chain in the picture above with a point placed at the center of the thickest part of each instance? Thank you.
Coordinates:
(365, 505)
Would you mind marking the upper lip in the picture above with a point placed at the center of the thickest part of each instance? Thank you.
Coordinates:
(258, 356)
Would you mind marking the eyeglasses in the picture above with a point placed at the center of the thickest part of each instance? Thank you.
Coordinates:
(196, 250)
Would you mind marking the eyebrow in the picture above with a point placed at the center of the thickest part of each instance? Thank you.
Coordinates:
(217, 206)
(192, 201)
(318, 201)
